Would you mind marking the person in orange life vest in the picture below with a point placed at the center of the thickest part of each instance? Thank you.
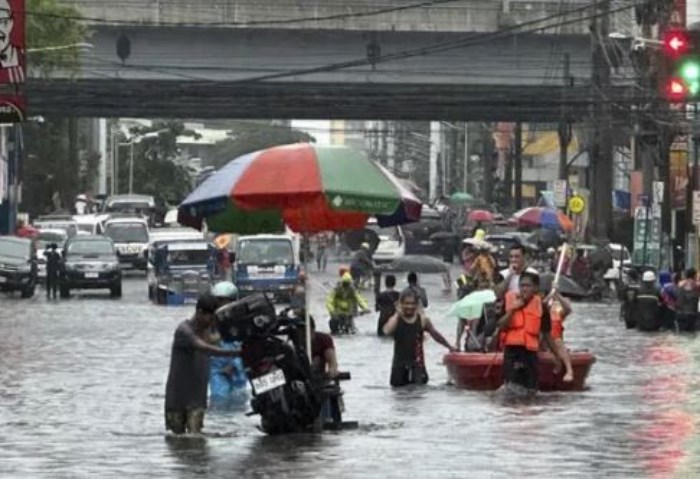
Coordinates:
(521, 328)
(559, 308)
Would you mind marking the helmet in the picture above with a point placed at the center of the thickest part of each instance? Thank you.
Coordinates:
(648, 277)
(346, 278)
(479, 234)
(225, 289)
(364, 245)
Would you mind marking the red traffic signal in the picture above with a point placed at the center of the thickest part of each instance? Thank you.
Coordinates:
(676, 90)
(676, 42)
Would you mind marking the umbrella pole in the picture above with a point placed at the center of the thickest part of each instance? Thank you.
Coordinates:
(557, 275)
(305, 237)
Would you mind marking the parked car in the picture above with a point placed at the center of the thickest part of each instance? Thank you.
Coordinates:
(45, 238)
(418, 234)
(392, 243)
(90, 262)
(18, 268)
(131, 238)
(57, 222)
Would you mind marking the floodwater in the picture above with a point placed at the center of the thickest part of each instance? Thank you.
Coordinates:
(82, 385)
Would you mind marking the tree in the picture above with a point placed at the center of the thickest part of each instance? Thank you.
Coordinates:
(52, 161)
(156, 169)
(248, 137)
(50, 25)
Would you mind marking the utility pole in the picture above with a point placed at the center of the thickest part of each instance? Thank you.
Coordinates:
(601, 150)
(518, 166)
(565, 128)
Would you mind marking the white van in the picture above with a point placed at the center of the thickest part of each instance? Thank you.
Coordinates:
(392, 243)
(130, 236)
(267, 264)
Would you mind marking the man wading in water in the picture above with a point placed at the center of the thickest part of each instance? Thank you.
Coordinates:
(407, 327)
(186, 389)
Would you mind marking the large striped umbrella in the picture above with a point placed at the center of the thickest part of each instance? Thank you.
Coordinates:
(307, 187)
(543, 217)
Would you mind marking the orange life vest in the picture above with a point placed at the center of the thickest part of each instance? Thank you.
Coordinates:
(525, 323)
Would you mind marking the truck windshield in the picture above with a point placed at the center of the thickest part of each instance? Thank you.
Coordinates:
(127, 232)
(90, 247)
(269, 251)
(188, 257)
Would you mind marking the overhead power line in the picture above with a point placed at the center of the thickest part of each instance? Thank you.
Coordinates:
(466, 41)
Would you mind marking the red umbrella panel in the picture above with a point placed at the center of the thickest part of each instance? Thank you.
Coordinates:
(482, 216)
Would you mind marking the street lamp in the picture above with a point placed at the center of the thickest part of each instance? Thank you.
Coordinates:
(138, 139)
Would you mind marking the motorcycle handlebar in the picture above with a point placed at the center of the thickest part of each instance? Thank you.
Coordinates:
(342, 376)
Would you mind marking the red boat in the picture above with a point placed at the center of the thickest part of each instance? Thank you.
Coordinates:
(484, 371)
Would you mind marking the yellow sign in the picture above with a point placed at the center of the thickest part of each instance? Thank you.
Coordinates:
(577, 204)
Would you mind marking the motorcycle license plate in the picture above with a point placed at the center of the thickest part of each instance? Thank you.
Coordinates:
(269, 381)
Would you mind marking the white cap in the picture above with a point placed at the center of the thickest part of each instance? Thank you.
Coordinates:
(648, 276)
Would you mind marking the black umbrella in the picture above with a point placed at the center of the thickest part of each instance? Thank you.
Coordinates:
(354, 239)
(567, 286)
(419, 264)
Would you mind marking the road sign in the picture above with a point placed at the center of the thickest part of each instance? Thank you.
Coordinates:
(560, 193)
(658, 192)
(577, 204)
(696, 208)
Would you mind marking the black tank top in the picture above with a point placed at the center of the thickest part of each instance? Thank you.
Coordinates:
(408, 343)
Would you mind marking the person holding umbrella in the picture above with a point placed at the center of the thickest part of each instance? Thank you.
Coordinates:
(53, 266)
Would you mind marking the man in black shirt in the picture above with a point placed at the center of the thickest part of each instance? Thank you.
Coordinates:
(53, 262)
(186, 389)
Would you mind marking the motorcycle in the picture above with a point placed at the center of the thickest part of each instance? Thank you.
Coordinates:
(342, 324)
(286, 395)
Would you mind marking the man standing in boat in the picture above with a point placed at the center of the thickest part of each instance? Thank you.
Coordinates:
(407, 326)
(516, 267)
(524, 324)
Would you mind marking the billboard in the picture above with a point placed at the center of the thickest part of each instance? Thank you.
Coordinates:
(12, 42)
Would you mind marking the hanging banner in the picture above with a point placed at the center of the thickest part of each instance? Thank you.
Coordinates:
(636, 189)
(678, 177)
(12, 38)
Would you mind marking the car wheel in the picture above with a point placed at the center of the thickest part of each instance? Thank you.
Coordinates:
(28, 292)
(116, 290)
(64, 291)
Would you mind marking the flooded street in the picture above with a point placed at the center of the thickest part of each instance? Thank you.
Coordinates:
(82, 387)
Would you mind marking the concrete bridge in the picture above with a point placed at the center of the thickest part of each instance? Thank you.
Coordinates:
(186, 61)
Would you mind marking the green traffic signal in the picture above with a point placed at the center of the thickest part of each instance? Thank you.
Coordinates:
(689, 72)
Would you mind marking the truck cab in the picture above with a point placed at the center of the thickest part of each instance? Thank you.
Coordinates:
(131, 237)
(182, 271)
(267, 264)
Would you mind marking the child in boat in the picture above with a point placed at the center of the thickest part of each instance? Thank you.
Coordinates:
(559, 308)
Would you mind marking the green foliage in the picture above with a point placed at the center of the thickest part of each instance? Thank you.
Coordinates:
(156, 171)
(248, 137)
(50, 24)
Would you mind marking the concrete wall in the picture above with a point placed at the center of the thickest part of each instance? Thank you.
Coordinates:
(458, 15)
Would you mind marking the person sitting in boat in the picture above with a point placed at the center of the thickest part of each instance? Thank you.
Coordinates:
(511, 275)
(408, 326)
(484, 266)
(559, 308)
(385, 303)
(477, 329)
(345, 300)
(522, 327)
(227, 377)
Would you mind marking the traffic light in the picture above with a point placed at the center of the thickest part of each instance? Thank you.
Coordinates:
(681, 52)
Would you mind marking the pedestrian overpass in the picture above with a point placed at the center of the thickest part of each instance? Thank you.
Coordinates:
(186, 71)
